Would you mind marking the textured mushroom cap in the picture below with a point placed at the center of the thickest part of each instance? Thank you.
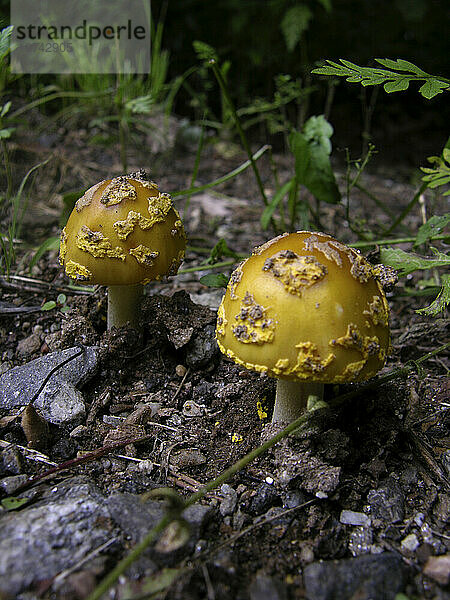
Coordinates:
(122, 231)
(305, 307)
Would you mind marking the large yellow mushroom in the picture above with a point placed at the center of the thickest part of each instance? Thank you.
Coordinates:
(306, 309)
(123, 233)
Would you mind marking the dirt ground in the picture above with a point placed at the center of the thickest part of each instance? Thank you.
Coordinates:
(384, 454)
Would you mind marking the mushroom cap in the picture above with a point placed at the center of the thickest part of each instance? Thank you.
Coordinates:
(122, 231)
(305, 307)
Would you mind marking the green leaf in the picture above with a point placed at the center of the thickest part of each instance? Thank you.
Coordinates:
(214, 280)
(432, 87)
(160, 582)
(434, 226)
(5, 36)
(5, 108)
(51, 243)
(401, 65)
(219, 251)
(50, 305)
(408, 262)
(442, 300)
(317, 130)
(6, 133)
(295, 22)
(326, 4)
(312, 166)
(396, 86)
(61, 299)
(272, 206)
(400, 73)
(141, 104)
(204, 51)
(13, 503)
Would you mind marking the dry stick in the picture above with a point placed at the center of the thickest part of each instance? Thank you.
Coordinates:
(80, 460)
(58, 366)
(123, 565)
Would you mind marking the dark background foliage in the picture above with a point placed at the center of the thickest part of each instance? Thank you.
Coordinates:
(248, 33)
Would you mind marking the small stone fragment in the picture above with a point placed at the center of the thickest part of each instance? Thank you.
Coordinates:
(229, 502)
(438, 568)
(349, 517)
(410, 542)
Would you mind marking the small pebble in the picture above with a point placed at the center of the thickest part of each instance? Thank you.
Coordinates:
(180, 370)
(438, 568)
(410, 542)
(349, 517)
(9, 485)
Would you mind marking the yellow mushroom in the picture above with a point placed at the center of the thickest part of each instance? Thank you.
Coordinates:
(123, 233)
(305, 309)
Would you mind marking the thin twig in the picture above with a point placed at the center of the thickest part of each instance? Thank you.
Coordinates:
(30, 453)
(52, 371)
(122, 566)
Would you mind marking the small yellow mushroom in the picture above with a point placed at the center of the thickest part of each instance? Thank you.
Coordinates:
(308, 310)
(120, 235)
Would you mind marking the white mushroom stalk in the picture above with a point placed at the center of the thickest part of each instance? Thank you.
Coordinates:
(123, 305)
(292, 399)
(306, 310)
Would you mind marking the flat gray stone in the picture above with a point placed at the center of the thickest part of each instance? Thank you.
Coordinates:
(60, 402)
(37, 543)
(378, 577)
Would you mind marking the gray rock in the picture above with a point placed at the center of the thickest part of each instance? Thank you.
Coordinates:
(59, 402)
(135, 518)
(265, 497)
(229, 502)
(387, 502)
(374, 577)
(350, 517)
(63, 528)
(9, 485)
(29, 345)
(12, 460)
(264, 587)
(202, 349)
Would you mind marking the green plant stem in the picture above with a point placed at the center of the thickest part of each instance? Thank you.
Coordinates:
(9, 184)
(121, 567)
(385, 242)
(224, 178)
(225, 263)
(195, 170)
(408, 208)
(237, 122)
(56, 96)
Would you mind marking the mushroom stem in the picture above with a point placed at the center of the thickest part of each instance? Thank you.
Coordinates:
(291, 399)
(123, 304)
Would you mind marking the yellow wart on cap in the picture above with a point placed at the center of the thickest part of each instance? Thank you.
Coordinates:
(96, 244)
(77, 271)
(125, 227)
(253, 326)
(309, 360)
(144, 255)
(377, 312)
(88, 196)
(159, 206)
(117, 190)
(221, 320)
(328, 248)
(235, 278)
(296, 273)
(63, 247)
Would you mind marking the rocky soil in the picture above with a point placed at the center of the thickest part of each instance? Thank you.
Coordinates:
(355, 506)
